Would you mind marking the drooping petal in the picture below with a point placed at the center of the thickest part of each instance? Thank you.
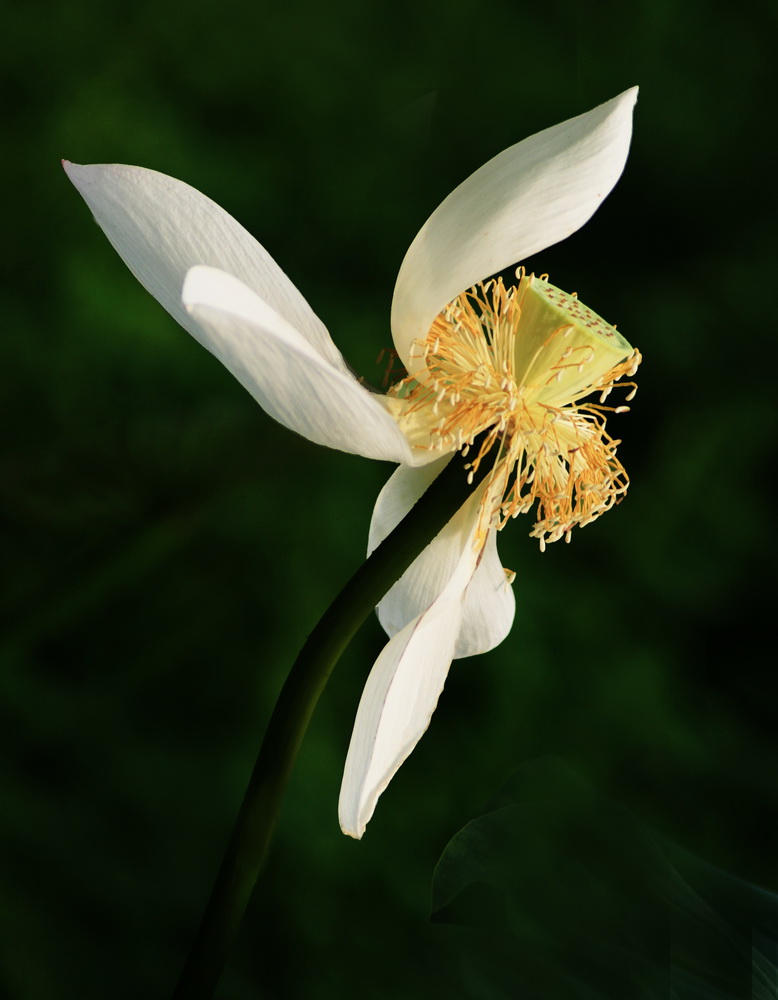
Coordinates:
(527, 198)
(399, 494)
(284, 372)
(489, 604)
(399, 698)
(161, 227)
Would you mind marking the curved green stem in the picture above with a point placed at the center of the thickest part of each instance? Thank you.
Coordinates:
(257, 818)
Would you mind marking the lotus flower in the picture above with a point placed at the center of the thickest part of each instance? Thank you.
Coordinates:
(508, 366)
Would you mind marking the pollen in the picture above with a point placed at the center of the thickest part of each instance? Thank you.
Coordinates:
(520, 366)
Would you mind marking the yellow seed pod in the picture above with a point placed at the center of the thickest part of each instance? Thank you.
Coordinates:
(563, 349)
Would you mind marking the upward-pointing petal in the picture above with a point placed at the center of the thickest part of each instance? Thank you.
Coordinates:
(161, 227)
(527, 198)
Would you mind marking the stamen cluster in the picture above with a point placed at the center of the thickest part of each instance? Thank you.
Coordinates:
(513, 364)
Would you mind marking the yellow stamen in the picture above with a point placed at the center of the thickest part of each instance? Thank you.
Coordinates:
(513, 365)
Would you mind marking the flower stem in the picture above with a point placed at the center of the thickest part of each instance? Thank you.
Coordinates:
(253, 830)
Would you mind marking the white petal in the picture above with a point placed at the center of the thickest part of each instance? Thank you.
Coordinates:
(284, 373)
(527, 198)
(161, 227)
(399, 494)
(399, 698)
(489, 605)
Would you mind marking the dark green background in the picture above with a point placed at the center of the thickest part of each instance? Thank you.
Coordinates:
(166, 546)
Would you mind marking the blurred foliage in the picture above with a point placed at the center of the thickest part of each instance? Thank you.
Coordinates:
(558, 891)
(166, 546)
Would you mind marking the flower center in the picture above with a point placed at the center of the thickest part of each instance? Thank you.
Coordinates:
(513, 364)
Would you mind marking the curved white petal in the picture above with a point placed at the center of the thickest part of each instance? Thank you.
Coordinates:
(161, 227)
(398, 495)
(527, 198)
(399, 698)
(284, 373)
(489, 605)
